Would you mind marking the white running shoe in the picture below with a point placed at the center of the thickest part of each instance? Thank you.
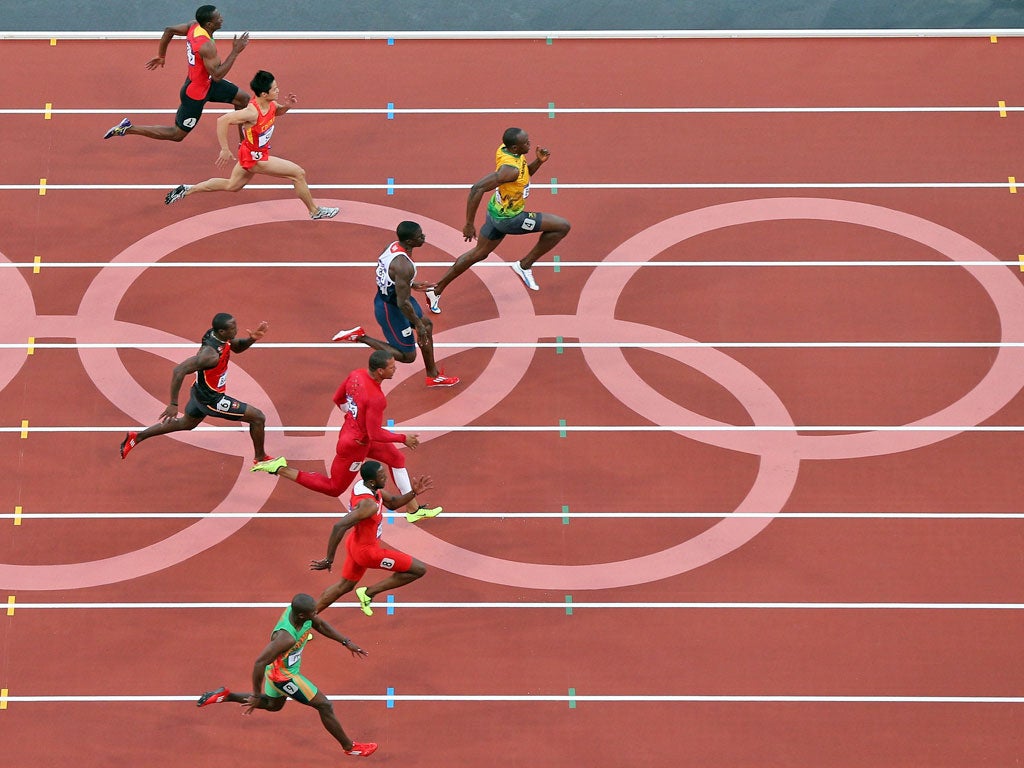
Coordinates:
(526, 275)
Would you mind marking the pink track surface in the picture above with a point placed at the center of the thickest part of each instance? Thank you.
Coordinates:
(448, 651)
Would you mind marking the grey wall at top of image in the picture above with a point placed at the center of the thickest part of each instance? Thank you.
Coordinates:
(525, 15)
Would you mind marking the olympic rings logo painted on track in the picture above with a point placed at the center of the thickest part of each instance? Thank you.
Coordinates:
(780, 453)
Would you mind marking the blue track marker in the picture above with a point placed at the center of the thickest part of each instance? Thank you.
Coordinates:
(391, 185)
(391, 605)
(391, 41)
(391, 698)
(391, 422)
(391, 110)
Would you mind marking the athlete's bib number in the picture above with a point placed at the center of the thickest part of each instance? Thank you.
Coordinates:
(224, 404)
(294, 658)
(222, 380)
(290, 688)
(529, 224)
(387, 563)
(190, 55)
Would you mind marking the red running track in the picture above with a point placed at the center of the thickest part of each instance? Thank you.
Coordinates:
(631, 652)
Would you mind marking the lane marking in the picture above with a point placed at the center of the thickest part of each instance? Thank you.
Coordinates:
(10, 605)
(1002, 109)
(565, 514)
(48, 110)
(808, 185)
(31, 346)
(572, 698)
(42, 187)
(556, 262)
(563, 428)
(538, 515)
(17, 515)
(391, 698)
(561, 343)
(529, 698)
(909, 109)
(563, 605)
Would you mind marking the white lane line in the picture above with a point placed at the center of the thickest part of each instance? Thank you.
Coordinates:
(560, 605)
(526, 515)
(682, 428)
(571, 698)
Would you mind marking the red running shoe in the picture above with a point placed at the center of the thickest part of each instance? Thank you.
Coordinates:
(213, 697)
(362, 750)
(351, 335)
(442, 381)
(128, 443)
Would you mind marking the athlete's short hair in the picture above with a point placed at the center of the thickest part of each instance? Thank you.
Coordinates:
(303, 602)
(221, 321)
(510, 136)
(379, 359)
(261, 82)
(204, 13)
(369, 470)
(407, 230)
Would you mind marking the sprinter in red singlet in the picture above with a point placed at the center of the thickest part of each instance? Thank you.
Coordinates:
(257, 122)
(204, 82)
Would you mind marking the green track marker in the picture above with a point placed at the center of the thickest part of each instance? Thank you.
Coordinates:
(554, 182)
(550, 41)
(565, 521)
(561, 423)
(568, 605)
(558, 264)
(572, 698)
(558, 349)
(551, 110)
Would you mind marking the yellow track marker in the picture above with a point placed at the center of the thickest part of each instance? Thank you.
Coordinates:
(1020, 261)
(10, 605)
(1002, 109)
(993, 39)
(42, 187)
(1013, 184)
(17, 521)
(24, 429)
(3, 698)
(53, 41)
(36, 261)
(31, 345)
(46, 113)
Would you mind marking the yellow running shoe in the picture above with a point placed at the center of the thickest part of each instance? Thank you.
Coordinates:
(423, 512)
(364, 600)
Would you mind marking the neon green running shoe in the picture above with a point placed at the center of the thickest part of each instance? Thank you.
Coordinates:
(270, 465)
(423, 512)
(364, 601)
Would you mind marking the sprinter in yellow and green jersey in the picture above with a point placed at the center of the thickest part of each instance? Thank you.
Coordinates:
(276, 676)
(506, 214)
